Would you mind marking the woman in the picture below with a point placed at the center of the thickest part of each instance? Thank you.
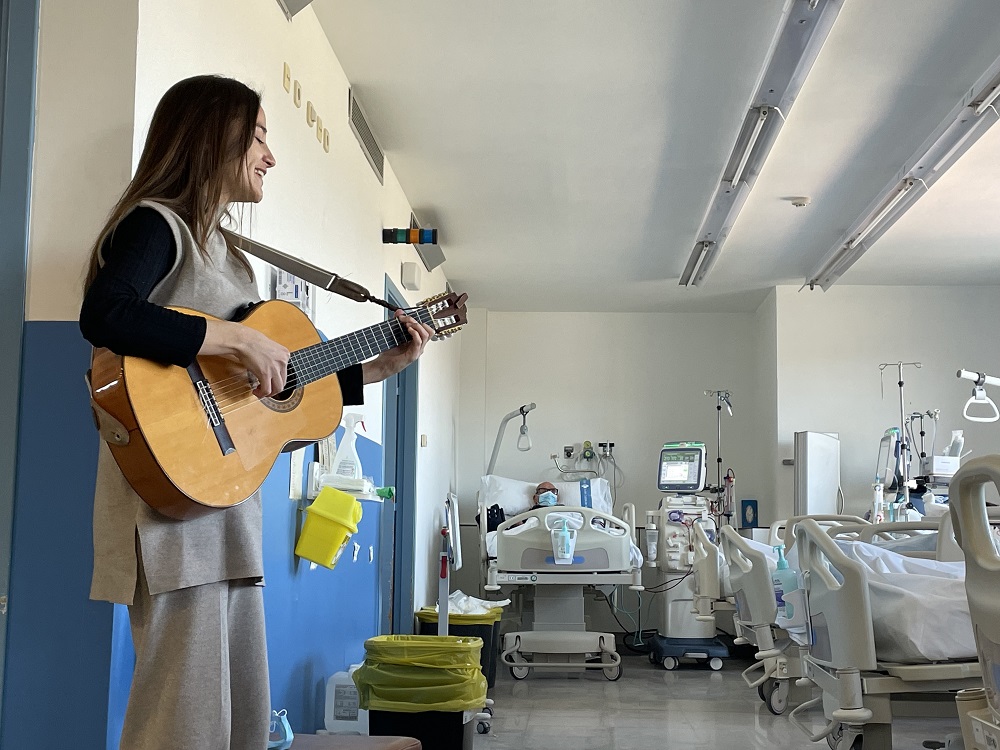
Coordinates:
(193, 587)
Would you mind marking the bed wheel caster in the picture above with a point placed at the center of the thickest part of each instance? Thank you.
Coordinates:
(613, 674)
(777, 697)
(483, 727)
(715, 663)
(670, 663)
(841, 740)
(520, 673)
(652, 658)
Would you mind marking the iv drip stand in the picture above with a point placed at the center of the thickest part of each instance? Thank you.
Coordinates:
(720, 398)
(904, 447)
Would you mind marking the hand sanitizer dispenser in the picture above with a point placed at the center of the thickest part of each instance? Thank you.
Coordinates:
(563, 544)
(785, 581)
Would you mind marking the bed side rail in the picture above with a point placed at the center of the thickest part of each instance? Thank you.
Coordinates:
(707, 584)
(839, 608)
(783, 532)
(749, 579)
(973, 534)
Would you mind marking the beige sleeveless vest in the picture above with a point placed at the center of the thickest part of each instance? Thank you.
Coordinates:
(223, 545)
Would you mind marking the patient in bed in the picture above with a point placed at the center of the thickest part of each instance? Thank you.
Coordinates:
(546, 494)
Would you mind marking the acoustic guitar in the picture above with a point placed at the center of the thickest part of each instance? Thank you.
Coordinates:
(194, 440)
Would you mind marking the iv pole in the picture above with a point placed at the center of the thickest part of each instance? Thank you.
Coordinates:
(904, 448)
(721, 397)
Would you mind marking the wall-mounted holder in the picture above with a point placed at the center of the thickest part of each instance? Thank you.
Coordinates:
(414, 236)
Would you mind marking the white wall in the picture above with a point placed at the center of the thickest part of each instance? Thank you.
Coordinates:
(635, 379)
(97, 90)
(830, 345)
(83, 142)
(765, 409)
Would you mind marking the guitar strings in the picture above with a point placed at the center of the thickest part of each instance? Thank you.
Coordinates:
(239, 392)
(312, 362)
(315, 361)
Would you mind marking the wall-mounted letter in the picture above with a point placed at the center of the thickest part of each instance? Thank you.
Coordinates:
(326, 140)
(286, 78)
(297, 94)
(310, 114)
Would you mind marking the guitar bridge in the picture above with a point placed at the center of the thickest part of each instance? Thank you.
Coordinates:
(208, 403)
(211, 407)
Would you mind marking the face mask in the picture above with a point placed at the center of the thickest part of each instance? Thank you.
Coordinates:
(547, 498)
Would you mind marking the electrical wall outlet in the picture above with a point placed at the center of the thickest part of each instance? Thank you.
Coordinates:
(568, 451)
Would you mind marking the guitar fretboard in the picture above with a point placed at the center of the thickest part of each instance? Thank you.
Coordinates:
(319, 360)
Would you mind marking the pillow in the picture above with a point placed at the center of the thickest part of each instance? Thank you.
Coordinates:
(515, 496)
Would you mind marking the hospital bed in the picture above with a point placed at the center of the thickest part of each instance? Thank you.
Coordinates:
(976, 534)
(870, 613)
(746, 581)
(522, 552)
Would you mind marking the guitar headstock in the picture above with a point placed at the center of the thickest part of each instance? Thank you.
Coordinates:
(447, 313)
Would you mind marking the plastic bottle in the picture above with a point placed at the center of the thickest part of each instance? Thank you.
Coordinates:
(785, 581)
(564, 549)
(878, 504)
(347, 463)
(652, 537)
(957, 444)
(343, 714)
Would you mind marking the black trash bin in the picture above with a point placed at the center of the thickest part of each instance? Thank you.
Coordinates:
(485, 626)
(425, 687)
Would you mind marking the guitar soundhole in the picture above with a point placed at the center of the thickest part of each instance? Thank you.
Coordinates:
(288, 399)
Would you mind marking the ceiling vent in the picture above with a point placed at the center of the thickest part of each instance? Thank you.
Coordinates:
(431, 256)
(359, 124)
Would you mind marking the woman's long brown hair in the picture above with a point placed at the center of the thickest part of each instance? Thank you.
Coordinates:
(200, 132)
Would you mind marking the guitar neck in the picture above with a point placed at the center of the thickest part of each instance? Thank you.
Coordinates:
(320, 360)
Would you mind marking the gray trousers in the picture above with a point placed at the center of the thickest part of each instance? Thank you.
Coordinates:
(200, 677)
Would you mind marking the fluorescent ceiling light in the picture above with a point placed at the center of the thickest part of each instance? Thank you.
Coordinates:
(804, 28)
(956, 134)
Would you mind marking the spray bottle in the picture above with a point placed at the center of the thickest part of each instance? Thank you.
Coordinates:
(347, 462)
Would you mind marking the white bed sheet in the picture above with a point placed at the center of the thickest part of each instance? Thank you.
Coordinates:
(919, 607)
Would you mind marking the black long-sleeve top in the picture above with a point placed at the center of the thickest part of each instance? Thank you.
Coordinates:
(117, 313)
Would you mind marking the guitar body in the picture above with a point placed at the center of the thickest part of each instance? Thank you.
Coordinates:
(172, 454)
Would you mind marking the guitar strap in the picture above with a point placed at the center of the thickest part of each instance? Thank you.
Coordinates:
(306, 271)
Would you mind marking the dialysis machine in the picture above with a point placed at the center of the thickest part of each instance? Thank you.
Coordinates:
(670, 551)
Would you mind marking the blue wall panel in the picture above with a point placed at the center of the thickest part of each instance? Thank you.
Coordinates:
(72, 658)
(317, 619)
(58, 641)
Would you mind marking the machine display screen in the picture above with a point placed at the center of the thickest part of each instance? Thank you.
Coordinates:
(682, 469)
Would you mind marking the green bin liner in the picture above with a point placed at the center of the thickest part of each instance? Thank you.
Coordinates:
(416, 673)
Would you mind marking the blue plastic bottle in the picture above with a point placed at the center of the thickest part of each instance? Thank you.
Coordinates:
(564, 543)
(785, 581)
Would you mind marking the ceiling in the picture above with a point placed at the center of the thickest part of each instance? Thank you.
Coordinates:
(567, 150)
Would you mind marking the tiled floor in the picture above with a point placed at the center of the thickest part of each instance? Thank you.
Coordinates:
(650, 709)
